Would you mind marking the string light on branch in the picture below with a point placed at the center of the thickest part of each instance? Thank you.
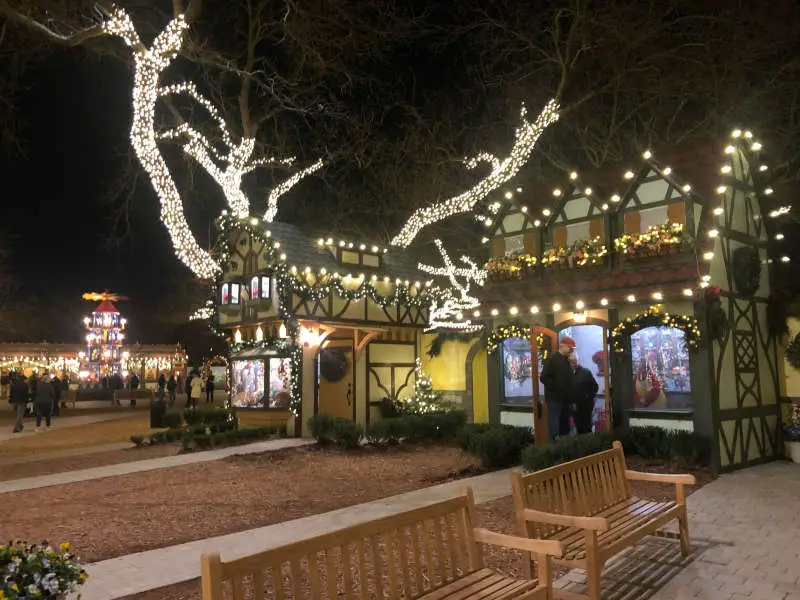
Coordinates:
(525, 138)
(281, 189)
(457, 299)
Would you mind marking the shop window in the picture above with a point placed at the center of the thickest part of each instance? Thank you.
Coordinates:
(661, 376)
(515, 245)
(517, 371)
(261, 383)
(229, 293)
(259, 287)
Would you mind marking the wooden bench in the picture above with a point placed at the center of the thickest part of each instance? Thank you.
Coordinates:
(587, 505)
(429, 553)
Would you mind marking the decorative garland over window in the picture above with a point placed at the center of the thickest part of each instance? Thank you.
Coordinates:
(654, 317)
(575, 256)
(502, 333)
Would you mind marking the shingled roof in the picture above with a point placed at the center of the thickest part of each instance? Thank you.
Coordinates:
(303, 249)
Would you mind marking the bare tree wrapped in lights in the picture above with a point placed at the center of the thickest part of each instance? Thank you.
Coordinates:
(237, 158)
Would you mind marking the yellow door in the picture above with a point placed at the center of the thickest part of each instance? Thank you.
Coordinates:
(335, 377)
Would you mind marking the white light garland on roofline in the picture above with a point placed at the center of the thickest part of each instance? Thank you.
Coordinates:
(525, 138)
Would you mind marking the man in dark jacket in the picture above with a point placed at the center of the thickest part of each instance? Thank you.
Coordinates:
(18, 397)
(56, 383)
(45, 398)
(557, 379)
(584, 389)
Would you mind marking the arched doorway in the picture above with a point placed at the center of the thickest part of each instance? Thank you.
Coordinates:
(591, 350)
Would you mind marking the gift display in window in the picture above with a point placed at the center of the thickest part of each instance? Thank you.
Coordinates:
(661, 374)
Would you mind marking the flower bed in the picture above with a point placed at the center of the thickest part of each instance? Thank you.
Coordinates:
(29, 571)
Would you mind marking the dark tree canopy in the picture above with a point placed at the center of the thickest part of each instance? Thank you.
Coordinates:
(393, 94)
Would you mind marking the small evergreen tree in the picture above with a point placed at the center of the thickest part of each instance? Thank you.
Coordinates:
(425, 399)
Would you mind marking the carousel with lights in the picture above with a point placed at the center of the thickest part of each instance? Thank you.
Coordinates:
(660, 271)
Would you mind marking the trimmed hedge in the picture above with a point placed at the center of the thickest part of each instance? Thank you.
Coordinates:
(172, 419)
(206, 441)
(497, 446)
(683, 447)
(430, 426)
(209, 416)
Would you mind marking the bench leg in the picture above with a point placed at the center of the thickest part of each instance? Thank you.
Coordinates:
(544, 570)
(594, 566)
(683, 526)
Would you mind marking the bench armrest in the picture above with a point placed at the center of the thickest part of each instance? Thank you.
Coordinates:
(591, 523)
(550, 547)
(661, 477)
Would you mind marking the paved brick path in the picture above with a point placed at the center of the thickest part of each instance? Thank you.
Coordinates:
(151, 464)
(745, 528)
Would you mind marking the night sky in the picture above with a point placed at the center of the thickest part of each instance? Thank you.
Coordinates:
(75, 115)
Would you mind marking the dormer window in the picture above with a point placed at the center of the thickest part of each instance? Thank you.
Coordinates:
(230, 293)
(260, 287)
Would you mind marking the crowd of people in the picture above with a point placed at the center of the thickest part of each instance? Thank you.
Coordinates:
(42, 395)
(569, 391)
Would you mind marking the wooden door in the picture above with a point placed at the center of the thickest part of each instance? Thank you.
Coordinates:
(336, 394)
(550, 344)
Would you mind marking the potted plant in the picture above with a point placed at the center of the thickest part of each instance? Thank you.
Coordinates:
(792, 434)
(39, 571)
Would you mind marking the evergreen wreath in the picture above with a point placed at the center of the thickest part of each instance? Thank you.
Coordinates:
(654, 317)
(793, 352)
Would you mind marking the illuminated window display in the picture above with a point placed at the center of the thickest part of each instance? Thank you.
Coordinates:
(517, 374)
(261, 383)
(660, 364)
(589, 346)
(229, 293)
(247, 383)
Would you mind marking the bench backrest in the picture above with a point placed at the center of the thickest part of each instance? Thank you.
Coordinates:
(582, 487)
(404, 555)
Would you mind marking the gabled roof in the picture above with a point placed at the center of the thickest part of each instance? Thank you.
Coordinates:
(303, 249)
(106, 306)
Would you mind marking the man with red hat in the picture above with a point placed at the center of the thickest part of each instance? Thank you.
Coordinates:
(557, 379)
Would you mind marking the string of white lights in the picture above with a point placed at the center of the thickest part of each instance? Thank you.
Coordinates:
(281, 189)
(449, 314)
(148, 66)
(525, 138)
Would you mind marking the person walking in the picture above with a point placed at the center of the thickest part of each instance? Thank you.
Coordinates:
(557, 379)
(18, 397)
(210, 389)
(196, 390)
(584, 389)
(45, 397)
(172, 386)
(162, 384)
(56, 383)
(188, 386)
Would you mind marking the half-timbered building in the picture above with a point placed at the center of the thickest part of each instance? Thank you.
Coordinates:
(318, 325)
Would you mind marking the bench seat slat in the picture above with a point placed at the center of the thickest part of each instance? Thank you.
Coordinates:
(483, 585)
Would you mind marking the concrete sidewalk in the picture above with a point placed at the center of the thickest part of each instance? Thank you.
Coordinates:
(30, 483)
(62, 423)
(144, 571)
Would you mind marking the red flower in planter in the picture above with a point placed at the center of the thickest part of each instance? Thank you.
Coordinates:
(713, 291)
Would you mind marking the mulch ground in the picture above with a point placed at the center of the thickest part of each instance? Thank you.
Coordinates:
(497, 515)
(115, 516)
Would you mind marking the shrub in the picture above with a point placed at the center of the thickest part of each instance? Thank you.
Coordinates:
(499, 446)
(209, 416)
(390, 408)
(137, 440)
(172, 419)
(655, 443)
(157, 411)
(536, 458)
(347, 433)
(187, 442)
(157, 438)
(377, 433)
(321, 427)
(467, 434)
(396, 429)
